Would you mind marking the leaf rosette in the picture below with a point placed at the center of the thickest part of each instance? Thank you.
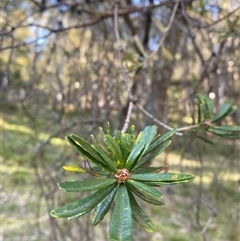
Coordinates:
(120, 174)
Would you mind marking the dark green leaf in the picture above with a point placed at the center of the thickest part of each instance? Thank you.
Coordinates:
(208, 105)
(92, 157)
(222, 111)
(139, 215)
(143, 188)
(221, 132)
(218, 131)
(201, 111)
(134, 156)
(114, 148)
(227, 128)
(147, 137)
(146, 159)
(149, 169)
(160, 140)
(80, 207)
(86, 146)
(108, 160)
(88, 185)
(153, 184)
(141, 146)
(121, 221)
(103, 207)
(145, 196)
(163, 178)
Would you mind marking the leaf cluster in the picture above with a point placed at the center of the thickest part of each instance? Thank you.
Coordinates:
(120, 175)
(210, 121)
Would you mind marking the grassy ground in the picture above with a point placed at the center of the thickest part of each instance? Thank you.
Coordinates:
(29, 175)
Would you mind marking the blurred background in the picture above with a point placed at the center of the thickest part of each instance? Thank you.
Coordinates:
(72, 66)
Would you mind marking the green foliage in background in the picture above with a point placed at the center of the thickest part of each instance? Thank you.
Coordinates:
(119, 167)
(209, 121)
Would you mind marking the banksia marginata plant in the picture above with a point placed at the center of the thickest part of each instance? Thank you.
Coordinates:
(120, 173)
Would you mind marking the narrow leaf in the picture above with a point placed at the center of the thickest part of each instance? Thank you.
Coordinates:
(218, 131)
(142, 146)
(139, 215)
(88, 185)
(163, 178)
(209, 105)
(121, 221)
(160, 140)
(86, 146)
(97, 161)
(142, 170)
(227, 128)
(80, 207)
(146, 159)
(143, 188)
(108, 160)
(74, 169)
(114, 148)
(222, 111)
(145, 196)
(103, 207)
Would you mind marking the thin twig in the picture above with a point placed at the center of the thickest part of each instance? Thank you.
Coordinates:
(125, 77)
(179, 130)
(155, 120)
(127, 120)
(166, 32)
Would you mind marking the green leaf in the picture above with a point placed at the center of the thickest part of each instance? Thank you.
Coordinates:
(145, 195)
(131, 129)
(125, 141)
(121, 220)
(160, 140)
(143, 188)
(80, 207)
(163, 178)
(218, 131)
(88, 185)
(222, 111)
(142, 146)
(108, 160)
(139, 215)
(201, 113)
(146, 159)
(208, 106)
(227, 128)
(149, 169)
(223, 132)
(103, 207)
(91, 156)
(114, 148)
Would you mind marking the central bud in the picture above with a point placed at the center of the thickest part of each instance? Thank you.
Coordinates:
(122, 175)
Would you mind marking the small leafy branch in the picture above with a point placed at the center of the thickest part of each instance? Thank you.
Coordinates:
(120, 175)
(120, 171)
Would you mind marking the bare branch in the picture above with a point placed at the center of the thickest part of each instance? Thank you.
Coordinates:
(127, 120)
(167, 30)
